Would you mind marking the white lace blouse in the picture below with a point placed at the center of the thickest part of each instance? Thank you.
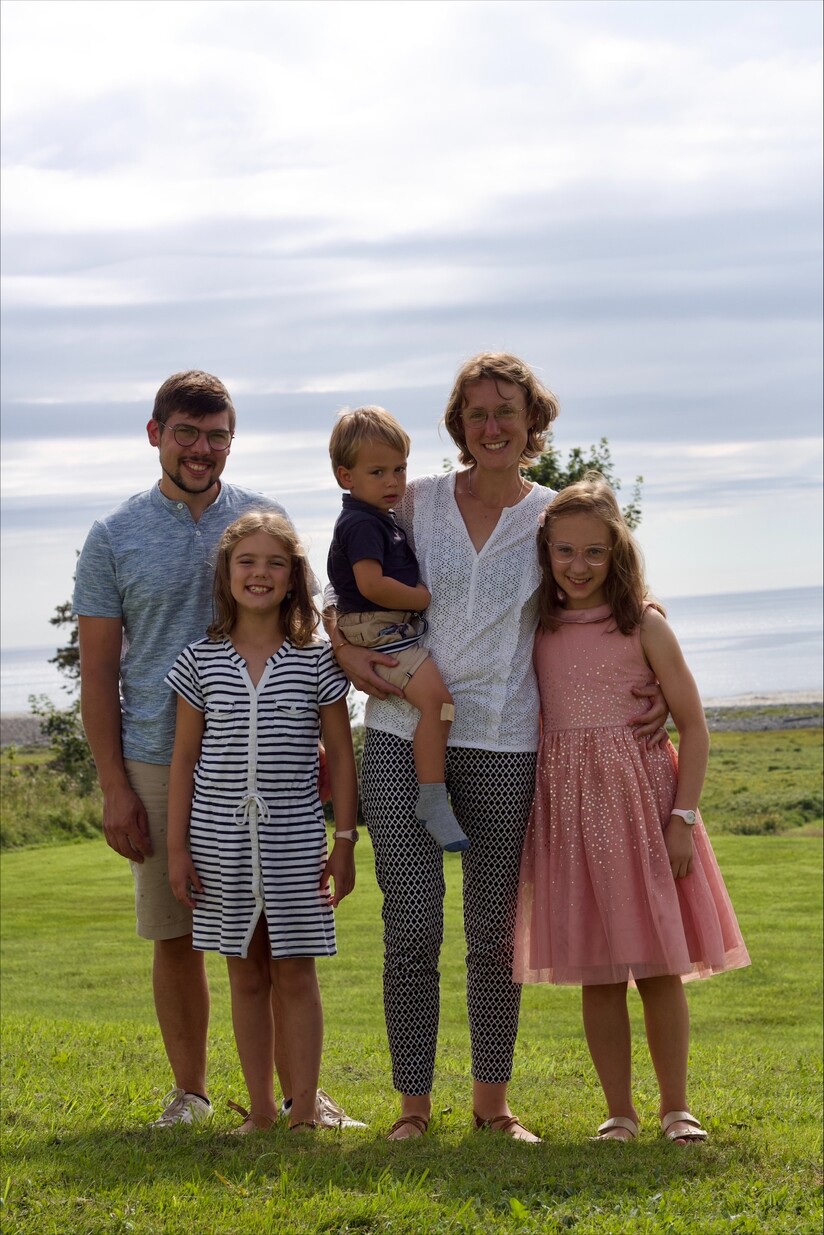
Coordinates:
(482, 618)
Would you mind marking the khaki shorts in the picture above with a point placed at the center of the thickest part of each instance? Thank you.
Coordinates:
(159, 914)
(365, 630)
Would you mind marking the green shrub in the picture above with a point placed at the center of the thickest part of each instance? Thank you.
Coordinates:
(39, 807)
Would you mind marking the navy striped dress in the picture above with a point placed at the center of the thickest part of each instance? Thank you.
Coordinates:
(257, 834)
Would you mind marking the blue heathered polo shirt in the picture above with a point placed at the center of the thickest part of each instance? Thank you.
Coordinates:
(149, 564)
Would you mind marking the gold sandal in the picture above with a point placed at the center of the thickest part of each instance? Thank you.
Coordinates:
(509, 1125)
(251, 1121)
(617, 1122)
(694, 1134)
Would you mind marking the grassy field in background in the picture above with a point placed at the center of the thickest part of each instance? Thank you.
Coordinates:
(84, 1071)
(758, 783)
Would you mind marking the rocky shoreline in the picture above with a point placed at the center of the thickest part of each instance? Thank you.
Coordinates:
(750, 716)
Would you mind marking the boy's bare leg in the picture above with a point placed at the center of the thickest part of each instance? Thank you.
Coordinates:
(426, 691)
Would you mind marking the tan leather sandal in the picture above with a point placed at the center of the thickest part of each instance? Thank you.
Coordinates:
(691, 1135)
(509, 1125)
(304, 1125)
(617, 1122)
(413, 1121)
(251, 1121)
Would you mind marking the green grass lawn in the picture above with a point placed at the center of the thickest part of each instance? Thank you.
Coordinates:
(84, 1070)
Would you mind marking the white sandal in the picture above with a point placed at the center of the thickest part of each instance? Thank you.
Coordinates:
(617, 1121)
(693, 1133)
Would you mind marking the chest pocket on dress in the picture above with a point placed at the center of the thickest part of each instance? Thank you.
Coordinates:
(291, 715)
(221, 718)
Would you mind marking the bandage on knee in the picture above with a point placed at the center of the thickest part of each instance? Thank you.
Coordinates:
(448, 711)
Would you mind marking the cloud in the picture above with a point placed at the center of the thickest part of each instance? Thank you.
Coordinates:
(337, 203)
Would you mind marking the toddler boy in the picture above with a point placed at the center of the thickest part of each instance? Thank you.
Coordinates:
(380, 598)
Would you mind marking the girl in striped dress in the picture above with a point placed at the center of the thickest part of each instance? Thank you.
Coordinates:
(247, 838)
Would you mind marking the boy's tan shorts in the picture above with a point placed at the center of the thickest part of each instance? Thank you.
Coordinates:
(159, 914)
(368, 630)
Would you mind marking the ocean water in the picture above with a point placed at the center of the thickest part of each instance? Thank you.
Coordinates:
(752, 643)
(737, 645)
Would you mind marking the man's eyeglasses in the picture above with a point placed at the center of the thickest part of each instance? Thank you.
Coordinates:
(593, 555)
(187, 435)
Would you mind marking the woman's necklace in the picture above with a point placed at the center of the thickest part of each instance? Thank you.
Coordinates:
(522, 488)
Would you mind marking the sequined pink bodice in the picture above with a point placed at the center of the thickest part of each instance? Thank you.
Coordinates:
(586, 682)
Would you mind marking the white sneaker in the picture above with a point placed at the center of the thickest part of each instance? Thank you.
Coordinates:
(183, 1108)
(327, 1113)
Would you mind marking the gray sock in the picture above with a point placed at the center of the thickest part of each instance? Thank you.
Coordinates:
(435, 814)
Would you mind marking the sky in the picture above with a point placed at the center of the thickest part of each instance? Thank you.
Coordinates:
(328, 204)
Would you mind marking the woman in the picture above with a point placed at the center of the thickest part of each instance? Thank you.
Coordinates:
(474, 534)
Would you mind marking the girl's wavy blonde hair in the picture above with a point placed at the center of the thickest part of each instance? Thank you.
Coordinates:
(625, 586)
(541, 404)
(299, 616)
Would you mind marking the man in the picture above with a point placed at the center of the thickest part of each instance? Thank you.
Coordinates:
(143, 591)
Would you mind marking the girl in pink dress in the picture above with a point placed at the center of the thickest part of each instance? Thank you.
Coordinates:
(618, 879)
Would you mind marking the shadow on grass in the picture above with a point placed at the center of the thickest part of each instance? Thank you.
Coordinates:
(487, 1168)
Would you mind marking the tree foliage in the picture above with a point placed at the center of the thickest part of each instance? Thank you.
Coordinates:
(63, 726)
(64, 729)
(552, 472)
(67, 658)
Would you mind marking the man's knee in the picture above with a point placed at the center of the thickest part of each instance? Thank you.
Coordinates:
(179, 953)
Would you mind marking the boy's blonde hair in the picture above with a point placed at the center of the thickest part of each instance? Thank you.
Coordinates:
(625, 587)
(298, 615)
(364, 424)
(541, 404)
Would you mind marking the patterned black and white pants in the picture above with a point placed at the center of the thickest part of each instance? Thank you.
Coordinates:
(491, 795)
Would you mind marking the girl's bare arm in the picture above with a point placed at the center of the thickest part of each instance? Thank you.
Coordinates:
(340, 758)
(189, 727)
(665, 658)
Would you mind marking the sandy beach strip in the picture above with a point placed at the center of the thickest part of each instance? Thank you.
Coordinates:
(748, 713)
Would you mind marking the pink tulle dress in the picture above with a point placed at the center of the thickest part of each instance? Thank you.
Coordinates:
(597, 900)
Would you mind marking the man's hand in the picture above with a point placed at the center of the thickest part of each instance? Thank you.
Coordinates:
(358, 665)
(650, 724)
(126, 825)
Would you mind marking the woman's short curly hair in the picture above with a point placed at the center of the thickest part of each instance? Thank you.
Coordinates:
(541, 404)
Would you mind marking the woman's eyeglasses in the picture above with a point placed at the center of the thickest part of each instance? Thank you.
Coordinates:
(503, 415)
